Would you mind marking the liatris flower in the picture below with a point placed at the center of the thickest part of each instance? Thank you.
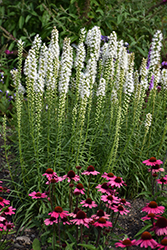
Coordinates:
(151, 84)
(79, 189)
(90, 170)
(124, 202)
(110, 199)
(146, 241)
(108, 176)
(160, 226)
(102, 222)
(163, 244)
(156, 169)
(81, 219)
(9, 210)
(100, 213)
(50, 221)
(148, 121)
(152, 161)
(71, 176)
(58, 211)
(153, 207)
(104, 188)
(88, 203)
(37, 195)
(162, 180)
(119, 209)
(125, 243)
(4, 202)
(117, 182)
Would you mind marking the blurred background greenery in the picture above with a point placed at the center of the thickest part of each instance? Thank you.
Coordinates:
(135, 21)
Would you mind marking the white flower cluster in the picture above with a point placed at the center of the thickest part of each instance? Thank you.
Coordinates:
(114, 98)
(155, 49)
(93, 41)
(164, 78)
(101, 87)
(84, 86)
(50, 80)
(148, 120)
(80, 57)
(54, 44)
(36, 44)
(91, 70)
(144, 73)
(42, 68)
(129, 84)
(21, 89)
(112, 45)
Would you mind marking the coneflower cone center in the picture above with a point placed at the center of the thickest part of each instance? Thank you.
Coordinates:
(110, 175)
(5, 188)
(152, 159)
(1, 188)
(58, 209)
(81, 215)
(6, 209)
(164, 242)
(162, 180)
(146, 236)
(120, 208)
(49, 171)
(79, 186)
(123, 200)
(1, 199)
(118, 180)
(126, 242)
(76, 210)
(100, 213)
(155, 167)
(89, 201)
(53, 180)
(153, 204)
(104, 185)
(102, 220)
(9, 226)
(109, 197)
(52, 218)
(151, 215)
(71, 174)
(38, 194)
(90, 168)
(161, 222)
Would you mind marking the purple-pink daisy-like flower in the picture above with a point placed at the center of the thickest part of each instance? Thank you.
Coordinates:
(74, 214)
(110, 199)
(124, 202)
(4, 189)
(108, 176)
(125, 243)
(152, 161)
(79, 189)
(153, 207)
(88, 203)
(156, 169)
(9, 210)
(58, 211)
(160, 226)
(71, 176)
(37, 195)
(146, 241)
(50, 221)
(90, 170)
(150, 216)
(119, 209)
(65, 221)
(4, 202)
(162, 180)
(8, 226)
(163, 244)
(117, 182)
(100, 213)
(54, 179)
(102, 222)
(104, 188)
(50, 173)
(81, 219)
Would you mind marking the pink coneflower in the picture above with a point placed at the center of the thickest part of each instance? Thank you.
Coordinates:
(54, 179)
(152, 161)
(156, 169)
(37, 195)
(150, 216)
(124, 202)
(79, 189)
(50, 173)
(163, 244)
(81, 219)
(117, 182)
(74, 214)
(153, 207)
(65, 221)
(102, 222)
(6, 190)
(146, 241)
(104, 188)
(108, 176)
(71, 176)
(50, 221)
(125, 243)
(9, 210)
(110, 199)
(8, 226)
(90, 170)
(160, 227)
(4, 202)
(120, 209)
(100, 213)
(58, 211)
(162, 181)
(88, 203)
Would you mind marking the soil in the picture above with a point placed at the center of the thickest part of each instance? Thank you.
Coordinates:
(129, 224)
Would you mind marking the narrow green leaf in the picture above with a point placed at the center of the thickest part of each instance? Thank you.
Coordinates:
(88, 246)
(143, 230)
(21, 22)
